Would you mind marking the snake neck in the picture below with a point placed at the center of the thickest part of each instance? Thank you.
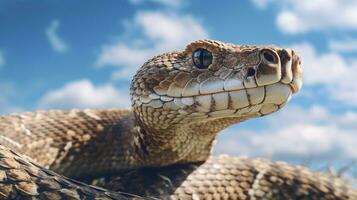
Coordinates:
(182, 142)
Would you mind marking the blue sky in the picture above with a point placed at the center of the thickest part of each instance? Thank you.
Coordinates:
(66, 54)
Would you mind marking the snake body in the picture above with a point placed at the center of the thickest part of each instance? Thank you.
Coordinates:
(161, 147)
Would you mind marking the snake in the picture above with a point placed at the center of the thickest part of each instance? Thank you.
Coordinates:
(161, 147)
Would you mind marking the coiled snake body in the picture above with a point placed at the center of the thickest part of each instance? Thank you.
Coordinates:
(161, 147)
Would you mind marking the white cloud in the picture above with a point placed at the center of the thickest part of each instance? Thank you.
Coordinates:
(83, 94)
(57, 44)
(326, 68)
(297, 134)
(161, 32)
(346, 45)
(171, 3)
(289, 22)
(334, 73)
(2, 59)
(262, 4)
(296, 16)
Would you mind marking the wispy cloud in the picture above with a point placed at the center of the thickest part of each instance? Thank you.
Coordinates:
(2, 59)
(262, 4)
(345, 45)
(171, 3)
(168, 32)
(312, 133)
(296, 16)
(57, 44)
(326, 68)
(83, 94)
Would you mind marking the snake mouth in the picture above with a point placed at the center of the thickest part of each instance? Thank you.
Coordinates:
(292, 88)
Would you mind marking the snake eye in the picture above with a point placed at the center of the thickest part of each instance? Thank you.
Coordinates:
(202, 58)
(269, 56)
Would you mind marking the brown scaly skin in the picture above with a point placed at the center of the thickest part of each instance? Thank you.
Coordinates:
(20, 179)
(226, 177)
(159, 148)
(65, 141)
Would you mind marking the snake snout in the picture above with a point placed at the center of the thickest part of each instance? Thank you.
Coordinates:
(268, 70)
(291, 73)
(296, 83)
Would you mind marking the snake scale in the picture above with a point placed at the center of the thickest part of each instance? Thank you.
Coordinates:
(161, 147)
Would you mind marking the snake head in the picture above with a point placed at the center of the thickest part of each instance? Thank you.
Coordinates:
(212, 80)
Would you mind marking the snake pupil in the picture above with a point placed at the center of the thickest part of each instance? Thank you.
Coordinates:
(202, 58)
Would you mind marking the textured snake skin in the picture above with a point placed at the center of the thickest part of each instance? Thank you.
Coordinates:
(161, 147)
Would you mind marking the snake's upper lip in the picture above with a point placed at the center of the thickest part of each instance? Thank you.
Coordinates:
(292, 88)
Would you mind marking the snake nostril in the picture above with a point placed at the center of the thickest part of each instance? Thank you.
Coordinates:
(251, 72)
(268, 56)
